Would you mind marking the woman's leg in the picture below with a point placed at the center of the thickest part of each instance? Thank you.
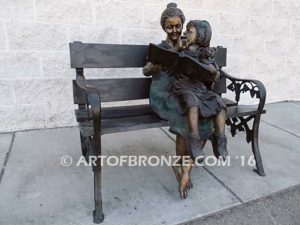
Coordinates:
(193, 120)
(181, 151)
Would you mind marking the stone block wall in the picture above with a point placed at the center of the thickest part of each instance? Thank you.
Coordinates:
(262, 37)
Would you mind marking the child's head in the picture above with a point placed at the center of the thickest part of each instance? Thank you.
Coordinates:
(198, 32)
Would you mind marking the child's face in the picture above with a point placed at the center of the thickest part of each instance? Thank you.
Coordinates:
(191, 35)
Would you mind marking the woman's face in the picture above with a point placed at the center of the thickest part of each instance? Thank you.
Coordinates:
(191, 35)
(173, 27)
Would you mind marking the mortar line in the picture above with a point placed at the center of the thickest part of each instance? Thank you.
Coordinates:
(7, 156)
(281, 129)
(211, 173)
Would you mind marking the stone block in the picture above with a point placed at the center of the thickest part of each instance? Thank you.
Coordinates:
(219, 5)
(119, 14)
(3, 41)
(294, 86)
(193, 4)
(282, 90)
(240, 66)
(22, 117)
(282, 47)
(42, 91)
(61, 114)
(94, 34)
(142, 36)
(272, 67)
(234, 24)
(295, 32)
(244, 44)
(119, 73)
(152, 14)
(281, 9)
(17, 9)
(222, 40)
(267, 27)
(67, 12)
(292, 66)
(19, 65)
(56, 64)
(36, 36)
(6, 92)
(294, 9)
(255, 8)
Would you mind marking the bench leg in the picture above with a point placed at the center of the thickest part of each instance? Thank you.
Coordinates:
(83, 145)
(98, 216)
(98, 213)
(255, 148)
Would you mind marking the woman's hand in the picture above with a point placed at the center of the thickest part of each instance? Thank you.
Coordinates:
(151, 69)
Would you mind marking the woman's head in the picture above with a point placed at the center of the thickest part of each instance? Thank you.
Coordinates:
(198, 32)
(172, 20)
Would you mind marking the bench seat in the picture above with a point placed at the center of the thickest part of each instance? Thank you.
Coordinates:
(129, 118)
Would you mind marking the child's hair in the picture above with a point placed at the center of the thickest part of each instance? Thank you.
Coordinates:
(203, 36)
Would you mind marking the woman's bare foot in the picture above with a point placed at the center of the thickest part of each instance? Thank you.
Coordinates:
(185, 182)
(178, 173)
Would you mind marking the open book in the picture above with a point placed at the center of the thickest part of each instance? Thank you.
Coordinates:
(182, 63)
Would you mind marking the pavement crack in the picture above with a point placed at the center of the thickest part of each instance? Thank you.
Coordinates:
(166, 133)
(281, 129)
(224, 185)
(7, 156)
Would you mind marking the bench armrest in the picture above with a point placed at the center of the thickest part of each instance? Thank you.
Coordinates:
(254, 87)
(93, 99)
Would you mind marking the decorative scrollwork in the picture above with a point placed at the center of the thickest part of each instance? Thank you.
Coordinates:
(240, 124)
(243, 86)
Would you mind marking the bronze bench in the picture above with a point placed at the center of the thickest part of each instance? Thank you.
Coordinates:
(95, 121)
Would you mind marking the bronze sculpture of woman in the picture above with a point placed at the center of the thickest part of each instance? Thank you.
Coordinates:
(163, 102)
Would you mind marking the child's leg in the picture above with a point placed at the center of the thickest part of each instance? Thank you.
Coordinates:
(193, 141)
(219, 140)
(220, 121)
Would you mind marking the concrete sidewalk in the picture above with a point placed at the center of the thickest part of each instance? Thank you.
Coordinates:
(36, 189)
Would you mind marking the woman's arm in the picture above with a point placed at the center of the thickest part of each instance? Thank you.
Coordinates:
(151, 69)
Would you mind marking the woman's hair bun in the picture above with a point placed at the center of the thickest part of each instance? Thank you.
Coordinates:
(172, 4)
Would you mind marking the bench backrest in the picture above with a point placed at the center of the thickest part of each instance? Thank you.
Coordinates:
(88, 55)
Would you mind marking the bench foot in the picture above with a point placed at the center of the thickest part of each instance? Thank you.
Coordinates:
(98, 217)
(255, 148)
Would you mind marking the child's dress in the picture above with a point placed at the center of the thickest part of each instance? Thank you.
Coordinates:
(195, 93)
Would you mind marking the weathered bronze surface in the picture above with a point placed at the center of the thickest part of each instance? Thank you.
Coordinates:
(95, 121)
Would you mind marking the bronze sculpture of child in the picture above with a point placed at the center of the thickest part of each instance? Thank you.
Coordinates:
(195, 97)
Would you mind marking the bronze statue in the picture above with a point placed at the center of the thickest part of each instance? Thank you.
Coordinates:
(186, 104)
(195, 97)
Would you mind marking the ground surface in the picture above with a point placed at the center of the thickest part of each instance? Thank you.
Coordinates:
(36, 189)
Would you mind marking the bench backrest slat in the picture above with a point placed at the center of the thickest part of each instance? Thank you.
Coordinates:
(87, 55)
(107, 56)
(116, 89)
